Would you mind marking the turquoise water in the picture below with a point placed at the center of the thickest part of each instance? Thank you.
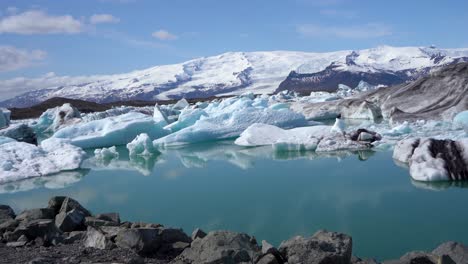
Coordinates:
(272, 196)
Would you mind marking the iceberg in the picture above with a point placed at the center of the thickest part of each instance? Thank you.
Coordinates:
(181, 104)
(111, 131)
(301, 138)
(55, 118)
(4, 140)
(461, 119)
(141, 146)
(20, 132)
(159, 117)
(106, 154)
(19, 160)
(401, 129)
(5, 115)
(434, 159)
(231, 123)
(187, 117)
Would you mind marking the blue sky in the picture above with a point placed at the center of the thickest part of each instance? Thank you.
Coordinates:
(112, 36)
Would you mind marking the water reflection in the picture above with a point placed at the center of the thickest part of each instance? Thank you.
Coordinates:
(440, 185)
(55, 181)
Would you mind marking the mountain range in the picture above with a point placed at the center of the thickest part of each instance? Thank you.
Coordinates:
(240, 72)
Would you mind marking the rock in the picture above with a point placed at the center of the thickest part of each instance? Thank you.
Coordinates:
(55, 203)
(144, 225)
(198, 233)
(220, 247)
(17, 244)
(70, 204)
(323, 246)
(357, 260)
(69, 221)
(456, 251)
(9, 225)
(142, 240)
(13, 236)
(95, 238)
(93, 221)
(173, 241)
(419, 257)
(111, 217)
(6, 213)
(35, 214)
(74, 237)
(268, 259)
(364, 135)
(111, 231)
(43, 228)
(41, 260)
(268, 249)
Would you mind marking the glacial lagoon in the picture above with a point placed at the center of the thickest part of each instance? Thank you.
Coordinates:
(270, 195)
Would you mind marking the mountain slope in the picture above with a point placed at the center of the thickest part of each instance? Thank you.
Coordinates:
(239, 72)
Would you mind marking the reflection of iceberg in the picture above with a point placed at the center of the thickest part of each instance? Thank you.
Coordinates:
(55, 181)
(439, 185)
(142, 164)
(198, 155)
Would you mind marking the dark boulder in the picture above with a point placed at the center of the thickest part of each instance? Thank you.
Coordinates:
(322, 247)
(69, 204)
(456, 251)
(35, 214)
(6, 213)
(70, 221)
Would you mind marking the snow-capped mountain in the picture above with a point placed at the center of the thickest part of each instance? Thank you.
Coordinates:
(239, 72)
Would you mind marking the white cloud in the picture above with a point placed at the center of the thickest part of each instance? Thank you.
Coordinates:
(164, 35)
(371, 30)
(103, 18)
(12, 10)
(39, 22)
(12, 58)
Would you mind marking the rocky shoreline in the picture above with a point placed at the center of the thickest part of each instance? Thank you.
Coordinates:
(66, 232)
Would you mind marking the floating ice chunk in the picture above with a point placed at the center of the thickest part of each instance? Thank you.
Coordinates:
(141, 146)
(20, 132)
(461, 119)
(111, 131)
(434, 160)
(106, 154)
(187, 117)
(19, 160)
(55, 118)
(5, 115)
(159, 117)
(404, 149)
(398, 130)
(301, 138)
(230, 124)
(181, 104)
(339, 126)
(4, 140)
(338, 142)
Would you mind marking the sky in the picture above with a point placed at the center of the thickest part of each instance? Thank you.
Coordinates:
(86, 37)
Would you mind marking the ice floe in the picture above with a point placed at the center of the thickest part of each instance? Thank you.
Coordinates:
(106, 154)
(142, 145)
(19, 160)
(111, 131)
(434, 160)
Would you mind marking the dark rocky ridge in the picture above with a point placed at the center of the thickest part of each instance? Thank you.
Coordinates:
(65, 232)
(86, 106)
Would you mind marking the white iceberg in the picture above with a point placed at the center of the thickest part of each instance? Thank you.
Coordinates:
(181, 104)
(159, 117)
(19, 160)
(301, 138)
(106, 154)
(141, 146)
(5, 115)
(55, 118)
(111, 131)
(401, 129)
(231, 123)
(187, 117)
(434, 160)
